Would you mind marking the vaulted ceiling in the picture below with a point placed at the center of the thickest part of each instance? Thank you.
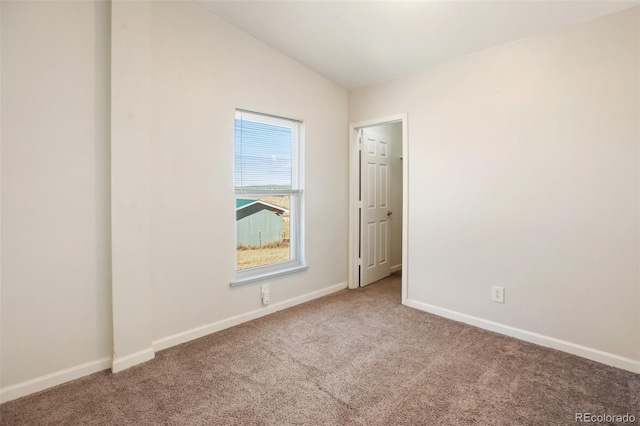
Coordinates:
(359, 43)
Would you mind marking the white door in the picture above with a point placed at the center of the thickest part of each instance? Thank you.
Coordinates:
(375, 226)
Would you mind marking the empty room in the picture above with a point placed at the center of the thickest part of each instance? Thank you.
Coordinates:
(319, 212)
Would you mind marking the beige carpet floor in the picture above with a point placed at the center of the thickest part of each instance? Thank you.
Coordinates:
(357, 357)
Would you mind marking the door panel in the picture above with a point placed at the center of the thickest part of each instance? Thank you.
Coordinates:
(383, 232)
(371, 248)
(375, 207)
(371, 193)
(384, 185)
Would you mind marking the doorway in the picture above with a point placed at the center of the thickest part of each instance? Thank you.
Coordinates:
(378, 201)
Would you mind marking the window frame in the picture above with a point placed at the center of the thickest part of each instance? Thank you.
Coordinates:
(296, 261)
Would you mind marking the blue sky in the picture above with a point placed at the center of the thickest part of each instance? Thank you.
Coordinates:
(262, 155)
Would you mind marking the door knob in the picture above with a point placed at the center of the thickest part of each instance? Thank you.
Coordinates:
(389, 213)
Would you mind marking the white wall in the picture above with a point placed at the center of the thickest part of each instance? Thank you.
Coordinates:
(56, 251)
(204, 68)
(56, 301)
(131, 120)
(523, 173)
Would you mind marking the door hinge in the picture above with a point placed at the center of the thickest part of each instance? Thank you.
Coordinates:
(359, 261)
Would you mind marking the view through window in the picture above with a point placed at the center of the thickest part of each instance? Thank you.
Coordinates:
(268, 192)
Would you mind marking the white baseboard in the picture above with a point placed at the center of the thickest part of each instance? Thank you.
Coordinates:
(195, 333)
(396, 268)
(528, 336)
(28, 387)
(10, 393)
(127, 361)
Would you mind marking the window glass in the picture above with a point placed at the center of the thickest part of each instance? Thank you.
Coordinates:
(268, 193)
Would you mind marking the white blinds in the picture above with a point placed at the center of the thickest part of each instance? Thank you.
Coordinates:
(265, 149)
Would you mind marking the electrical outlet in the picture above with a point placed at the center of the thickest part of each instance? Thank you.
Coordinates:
(265, 294)
(497, 294)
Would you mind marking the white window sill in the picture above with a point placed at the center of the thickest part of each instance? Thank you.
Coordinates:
(267, 275)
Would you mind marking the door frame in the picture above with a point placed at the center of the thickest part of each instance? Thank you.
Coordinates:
(354, 185)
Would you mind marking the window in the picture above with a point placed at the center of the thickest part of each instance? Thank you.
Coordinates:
(268, 186)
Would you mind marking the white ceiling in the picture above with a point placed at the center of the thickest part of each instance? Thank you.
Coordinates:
(359, 43)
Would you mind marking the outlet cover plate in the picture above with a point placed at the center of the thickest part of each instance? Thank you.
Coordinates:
(497, 294)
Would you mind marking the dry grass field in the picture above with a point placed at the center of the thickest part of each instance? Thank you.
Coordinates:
(279, 201)
(250, 258)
